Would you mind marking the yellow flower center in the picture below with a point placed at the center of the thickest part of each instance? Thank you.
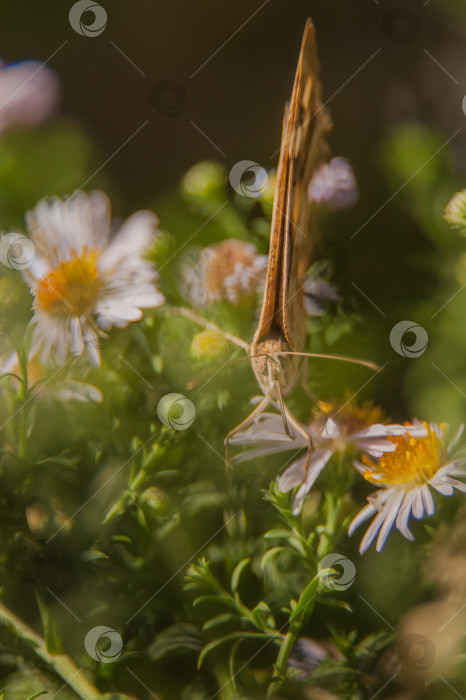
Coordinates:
(414, 461)
(352, 418)
(208, 345)
(72, 288)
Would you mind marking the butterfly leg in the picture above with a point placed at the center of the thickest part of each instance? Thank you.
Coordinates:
(303, 432)
(260, 408)
(195, 318)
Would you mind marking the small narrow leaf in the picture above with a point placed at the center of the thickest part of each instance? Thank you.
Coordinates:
(306, 600)
(232, 637)
(236, 575)
(218, 620)
(268, 556)
(214, 599)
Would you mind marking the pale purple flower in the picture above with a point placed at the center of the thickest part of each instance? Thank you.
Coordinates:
(334, 184)
(29, 93)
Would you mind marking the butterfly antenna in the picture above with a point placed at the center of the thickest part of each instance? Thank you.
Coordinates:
(341, 358)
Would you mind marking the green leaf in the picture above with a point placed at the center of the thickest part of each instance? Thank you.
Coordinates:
(277, 533)
(93, 555)
(176, 640)
(214, 599)
(232, 637)
(36, 695)
(271, 554)
(306, 601)
(335, 603)
(262, 616)
(218, 620)
(236, 575)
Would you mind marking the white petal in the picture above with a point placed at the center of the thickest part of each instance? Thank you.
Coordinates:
(76, 337)
(133, 238)
(403, 517)
(367, 512)
(331, 430)
(294, 475)
(317, 463)
(376, 447)
(458, 485)
(455, 439)
(91, 340)
(390, 512)
(371, 532)
(429, 503)
(61, 229)
(447, 486)
(418, 504)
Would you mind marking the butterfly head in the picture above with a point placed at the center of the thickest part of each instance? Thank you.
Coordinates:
(275, 372)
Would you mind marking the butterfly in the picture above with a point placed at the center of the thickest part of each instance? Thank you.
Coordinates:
(277, 352)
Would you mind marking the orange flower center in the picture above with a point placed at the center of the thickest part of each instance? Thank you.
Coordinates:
(72, 288)
(414, 461)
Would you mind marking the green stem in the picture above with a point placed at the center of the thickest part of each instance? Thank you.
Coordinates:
(24, 398)
(60, 663)
(333, 508)
(283, 654)
(227, 689)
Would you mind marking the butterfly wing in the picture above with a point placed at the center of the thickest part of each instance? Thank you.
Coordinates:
(303, 147)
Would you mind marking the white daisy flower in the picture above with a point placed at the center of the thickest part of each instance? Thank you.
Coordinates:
(405, 476)
(82, 279)
(28, 94)
(351, 427)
